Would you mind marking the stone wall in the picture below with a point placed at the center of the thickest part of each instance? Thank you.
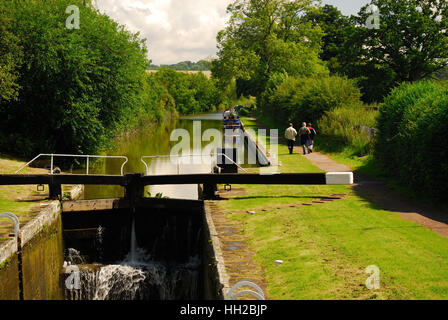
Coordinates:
(42, 258)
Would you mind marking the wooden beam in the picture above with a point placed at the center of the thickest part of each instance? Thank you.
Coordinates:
(25, 179)
(229, 178)
(118, 203)
(97, 205)
(171, 204)
(210, 178)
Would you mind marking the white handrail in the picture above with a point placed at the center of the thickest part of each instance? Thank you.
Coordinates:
(167, 156)
(178, 157)
(13, 218)
(223, 154)
(88, 156)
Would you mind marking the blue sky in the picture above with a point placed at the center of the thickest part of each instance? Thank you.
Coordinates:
(179, 30)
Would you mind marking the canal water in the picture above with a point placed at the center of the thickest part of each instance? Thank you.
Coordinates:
(151, 255)
(158, 143)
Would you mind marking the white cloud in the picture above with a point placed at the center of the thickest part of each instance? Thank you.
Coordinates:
(178, 30)
(175, 30)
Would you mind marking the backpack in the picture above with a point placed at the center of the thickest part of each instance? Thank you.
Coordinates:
(313, 133)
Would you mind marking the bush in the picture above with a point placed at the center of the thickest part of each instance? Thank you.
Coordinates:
(192, 93)
(206, 93)
(412, 143)
(347, 126)
(300, 100)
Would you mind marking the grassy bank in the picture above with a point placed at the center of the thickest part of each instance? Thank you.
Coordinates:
(327, 247)
(16, 199)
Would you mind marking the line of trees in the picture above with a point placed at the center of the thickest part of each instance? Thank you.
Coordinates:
(301, 61)
(72, 91)
(201, 65)
(265, 38)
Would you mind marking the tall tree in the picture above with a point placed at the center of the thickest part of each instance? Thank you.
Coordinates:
(411, 40)
(264, 37)
(338, 30)
(78, 87)
(10, 59)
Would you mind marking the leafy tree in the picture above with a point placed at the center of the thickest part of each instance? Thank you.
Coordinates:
(178, 86)
(338, 31)
(201, 65)
(208, 96)
(10, 59)
(412, 39)
(410, 44)
(264, 37)
(78, 87)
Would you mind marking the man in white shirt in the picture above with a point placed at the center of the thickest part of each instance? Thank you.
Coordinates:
(290, 135)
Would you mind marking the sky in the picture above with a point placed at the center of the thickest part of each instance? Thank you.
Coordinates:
(180, 30)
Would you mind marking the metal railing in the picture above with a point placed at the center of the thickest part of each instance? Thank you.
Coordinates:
(179, 157)
(223, 154)
(52, 155)
(166, 156)
(13, 218)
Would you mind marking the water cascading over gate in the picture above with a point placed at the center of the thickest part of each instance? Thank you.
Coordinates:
(150, 254)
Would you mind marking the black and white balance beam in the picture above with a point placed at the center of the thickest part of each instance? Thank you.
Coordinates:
(339, 178)
(330, 178)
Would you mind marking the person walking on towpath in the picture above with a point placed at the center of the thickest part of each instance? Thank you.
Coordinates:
(290, 135)
(304, 137)
(311, 141)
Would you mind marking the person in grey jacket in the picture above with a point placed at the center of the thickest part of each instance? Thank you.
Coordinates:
(290, 135)
(304, 137)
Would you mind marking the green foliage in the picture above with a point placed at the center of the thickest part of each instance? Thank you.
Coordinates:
(158, 195)
(206, 92)
(416, 39)
(201, 65)
(412, 143)
(265, 37)
(10, 59)
(346, 126)
(409, 45)
(72, 91)
(78, 86)
(192, 93)
(337, 30)
(300, 100)
(67, 196)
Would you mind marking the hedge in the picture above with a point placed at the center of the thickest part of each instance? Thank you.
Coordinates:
(412, 139)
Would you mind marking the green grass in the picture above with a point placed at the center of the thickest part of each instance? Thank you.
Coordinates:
(327, 247)
(9, 194)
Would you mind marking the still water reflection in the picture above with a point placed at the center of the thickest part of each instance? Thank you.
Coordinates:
(152, 142)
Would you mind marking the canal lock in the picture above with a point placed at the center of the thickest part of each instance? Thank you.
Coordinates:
(152, 253)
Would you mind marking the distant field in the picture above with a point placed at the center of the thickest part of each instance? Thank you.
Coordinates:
(208, 74)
